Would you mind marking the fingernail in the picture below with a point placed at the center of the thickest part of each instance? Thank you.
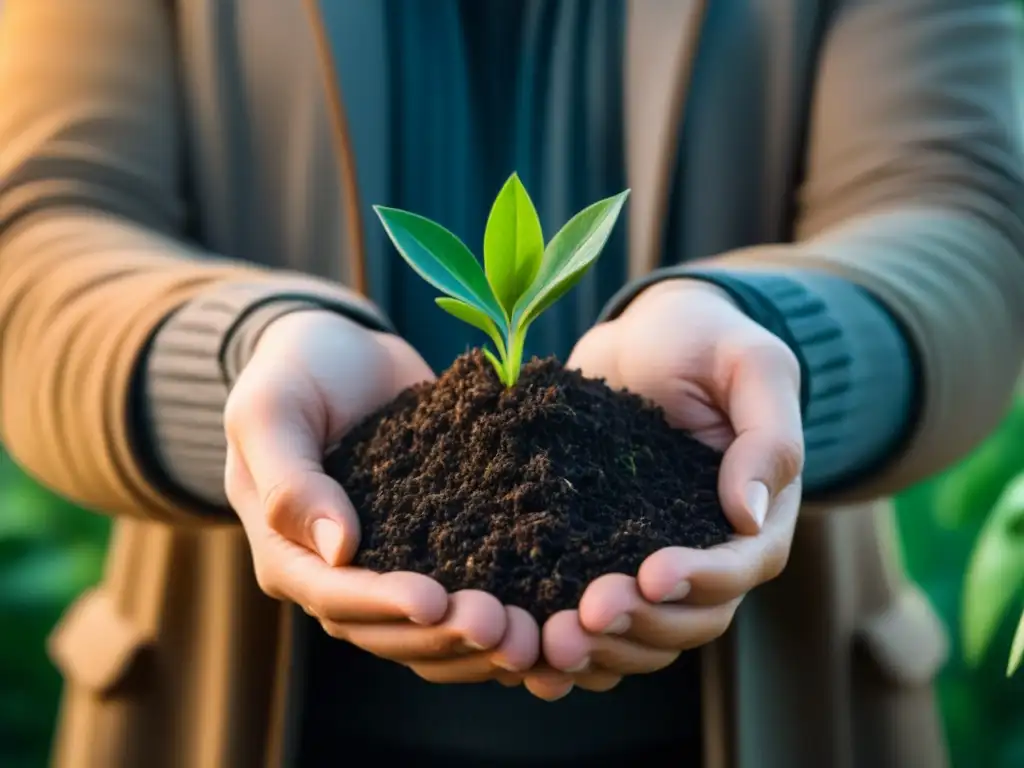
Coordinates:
(579, 667)
(619, 625)
(327, 538)
(473, 645)
(503, 663)
(677, 593)
(757, 501)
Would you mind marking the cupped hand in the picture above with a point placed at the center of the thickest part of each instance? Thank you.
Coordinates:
(685, 345)
(314, 375)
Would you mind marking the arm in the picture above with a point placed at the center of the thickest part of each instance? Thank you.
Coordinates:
(93, 258)
(904, 293)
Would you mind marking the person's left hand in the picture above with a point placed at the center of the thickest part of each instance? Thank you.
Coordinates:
(685, 345)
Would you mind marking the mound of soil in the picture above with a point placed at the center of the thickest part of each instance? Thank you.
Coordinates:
(530, 493)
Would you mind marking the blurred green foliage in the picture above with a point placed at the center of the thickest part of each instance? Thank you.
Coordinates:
(974, 514)
(963, 538)
(49, 552)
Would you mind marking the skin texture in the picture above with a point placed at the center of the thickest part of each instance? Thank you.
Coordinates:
(312, 376)
(730, 382)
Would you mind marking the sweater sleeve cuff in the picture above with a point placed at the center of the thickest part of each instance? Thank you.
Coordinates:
(187, 372)
(858, 375)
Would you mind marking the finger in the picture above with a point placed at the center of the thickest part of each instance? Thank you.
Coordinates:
(595, 354)
(517, 652)
(596, 681)
(678, 627)
(548, 684)
(349, 594)
(476, 621)
(508, 679)
(565, 645)
(520, 648)
(726, 572)
(608, 603)
(287, 571)
(768, 453)
(475, 668)
(625, 657)
(569, 648)
(613, 605)
(275, 433)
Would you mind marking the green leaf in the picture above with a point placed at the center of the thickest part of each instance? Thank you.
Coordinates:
(1017, 651)
(568, 256)
(502, 375)
(467, 313)
(440, 258)
(995, 573)
(513, 244)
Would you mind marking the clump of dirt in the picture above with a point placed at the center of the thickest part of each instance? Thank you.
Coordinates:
(530, 493)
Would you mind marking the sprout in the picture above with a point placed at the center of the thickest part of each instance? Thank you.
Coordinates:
(520, 277)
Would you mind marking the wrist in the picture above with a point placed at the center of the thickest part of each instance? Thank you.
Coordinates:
(295, 320)
(250, 331)
(682, 288)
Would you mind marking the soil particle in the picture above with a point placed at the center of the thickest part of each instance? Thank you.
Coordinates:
(530, 493)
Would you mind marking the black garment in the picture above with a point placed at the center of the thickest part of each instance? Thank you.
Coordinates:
(359, 712)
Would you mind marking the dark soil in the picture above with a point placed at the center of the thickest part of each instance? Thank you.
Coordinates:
(530, 493)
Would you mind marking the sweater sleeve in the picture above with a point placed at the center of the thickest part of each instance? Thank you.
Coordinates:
(93, 256)
(904, 290)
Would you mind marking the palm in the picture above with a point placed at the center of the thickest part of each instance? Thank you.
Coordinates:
(314, 364)
(675, 378)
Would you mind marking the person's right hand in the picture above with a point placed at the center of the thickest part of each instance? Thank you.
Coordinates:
(315, 374)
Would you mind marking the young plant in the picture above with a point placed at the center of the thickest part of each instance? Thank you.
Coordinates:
(520, 277)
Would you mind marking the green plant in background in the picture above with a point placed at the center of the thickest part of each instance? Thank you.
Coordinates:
(1017, 651)
(520, 278)
(49, 552)
(995, 574)
(963, 536)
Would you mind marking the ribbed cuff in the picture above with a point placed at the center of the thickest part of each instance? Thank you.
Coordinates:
(858, 380)
(188, 372)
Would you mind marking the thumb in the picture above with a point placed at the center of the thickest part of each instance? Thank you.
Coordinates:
(283, 456)
(311, 509)
(595, 354)
(768, 452)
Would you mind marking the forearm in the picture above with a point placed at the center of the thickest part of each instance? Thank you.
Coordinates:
(93, 255)
(913, 194)
(909, 325)
(88, 301)
(954, 283)
(80, 292)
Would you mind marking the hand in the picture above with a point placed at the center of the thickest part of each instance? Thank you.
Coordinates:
(736, 387)
(313, 375)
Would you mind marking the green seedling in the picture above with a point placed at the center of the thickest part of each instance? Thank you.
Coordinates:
(520, 276)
